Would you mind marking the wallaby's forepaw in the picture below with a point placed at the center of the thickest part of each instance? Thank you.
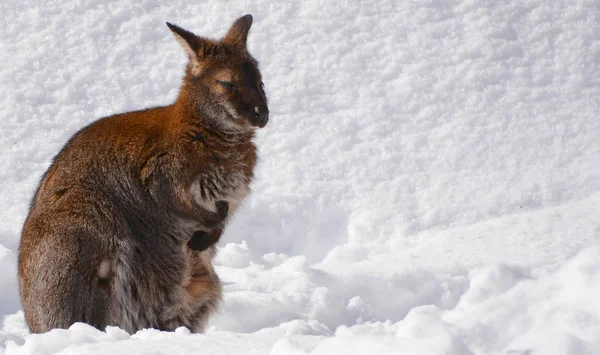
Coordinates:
(202, 240)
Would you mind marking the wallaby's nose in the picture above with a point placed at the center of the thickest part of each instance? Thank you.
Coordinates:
(261, 117)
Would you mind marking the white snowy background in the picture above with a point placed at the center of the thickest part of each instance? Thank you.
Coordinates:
(429, 179)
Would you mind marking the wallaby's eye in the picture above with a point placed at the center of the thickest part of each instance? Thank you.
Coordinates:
(226, 84)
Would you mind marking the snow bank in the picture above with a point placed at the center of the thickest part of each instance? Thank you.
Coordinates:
(505, 310)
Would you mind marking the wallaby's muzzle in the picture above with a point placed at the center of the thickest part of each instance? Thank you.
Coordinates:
(260, 118)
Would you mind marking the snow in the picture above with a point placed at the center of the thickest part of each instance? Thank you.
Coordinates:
(428, 181)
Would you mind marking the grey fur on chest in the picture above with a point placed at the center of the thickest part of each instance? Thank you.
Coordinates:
(219, 183)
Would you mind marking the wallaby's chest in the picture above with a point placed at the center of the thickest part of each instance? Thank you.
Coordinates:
(226, 178)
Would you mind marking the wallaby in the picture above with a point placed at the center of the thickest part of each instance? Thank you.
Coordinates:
(122, 228)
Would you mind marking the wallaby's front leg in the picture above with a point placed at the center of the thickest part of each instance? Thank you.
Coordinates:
(210, 219)
(202, 240)
(193, 210)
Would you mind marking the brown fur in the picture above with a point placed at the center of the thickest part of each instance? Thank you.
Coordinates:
(131, 190)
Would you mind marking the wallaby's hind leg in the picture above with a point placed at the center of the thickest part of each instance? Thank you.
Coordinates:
(203, 288)
(62, 287)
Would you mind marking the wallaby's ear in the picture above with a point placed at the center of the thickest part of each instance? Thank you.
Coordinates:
(238, 33)
(190, 43)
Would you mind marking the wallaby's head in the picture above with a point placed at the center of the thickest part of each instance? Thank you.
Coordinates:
(223, 78)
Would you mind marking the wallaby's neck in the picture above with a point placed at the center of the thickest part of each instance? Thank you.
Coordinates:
(191, 110)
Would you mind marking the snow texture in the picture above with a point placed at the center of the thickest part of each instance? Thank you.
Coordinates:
(429, 180)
